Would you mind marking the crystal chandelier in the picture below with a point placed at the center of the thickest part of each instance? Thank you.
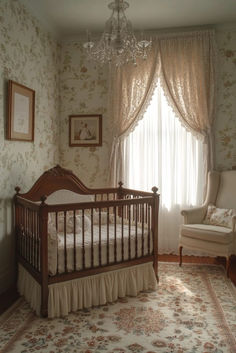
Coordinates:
(118, 43)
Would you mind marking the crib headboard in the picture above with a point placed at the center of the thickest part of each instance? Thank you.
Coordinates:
(52, 180)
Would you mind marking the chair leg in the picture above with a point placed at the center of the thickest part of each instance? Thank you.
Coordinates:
(227, 265)
(180, 255)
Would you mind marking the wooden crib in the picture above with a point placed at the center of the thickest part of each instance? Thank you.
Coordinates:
(68, 232)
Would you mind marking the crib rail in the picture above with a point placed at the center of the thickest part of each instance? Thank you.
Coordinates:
(127, 225)
(132, 214)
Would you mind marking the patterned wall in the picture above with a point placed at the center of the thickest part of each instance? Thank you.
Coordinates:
(225, 124)
(28, 55)
(84, 90)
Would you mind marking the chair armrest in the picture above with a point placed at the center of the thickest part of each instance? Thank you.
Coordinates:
(194, 215)
(234, 223)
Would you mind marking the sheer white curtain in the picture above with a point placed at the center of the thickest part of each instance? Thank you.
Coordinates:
(161, 152)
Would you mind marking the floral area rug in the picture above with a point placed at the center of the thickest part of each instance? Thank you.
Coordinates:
(193, 310)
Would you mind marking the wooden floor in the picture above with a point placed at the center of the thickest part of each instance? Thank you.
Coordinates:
(204, 260)
(9, 297)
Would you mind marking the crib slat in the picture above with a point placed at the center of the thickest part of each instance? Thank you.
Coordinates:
(136, 231)
(142, 218)
(108, 245)
(83, 248)
(122, 232)
(65, 245)
(35, 238)
(26, 237)
(149, 225)
(100, 238)
(129, 215)
(38, 244)
(115, 247)
(27, 234)
(56, 222)
(23, 234)
(146, 213)
(20, 233)
(74, 219)
(92, 238)
(31, 237)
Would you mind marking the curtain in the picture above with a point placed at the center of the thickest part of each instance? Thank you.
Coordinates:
(131, 88)
(185, 64)
(161, 152)
(188, 78)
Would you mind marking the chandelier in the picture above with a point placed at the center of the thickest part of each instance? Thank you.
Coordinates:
(118, 43)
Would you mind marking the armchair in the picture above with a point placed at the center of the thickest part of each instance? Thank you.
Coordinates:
(211, 228)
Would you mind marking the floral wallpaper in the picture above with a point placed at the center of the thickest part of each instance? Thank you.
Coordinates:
(66, 83)
(84, 90)
(29, 56)
(225, 124)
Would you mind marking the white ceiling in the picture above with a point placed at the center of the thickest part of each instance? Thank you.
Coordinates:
(71, 17)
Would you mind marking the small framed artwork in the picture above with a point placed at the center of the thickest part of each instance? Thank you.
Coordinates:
(21, 103)
(85, 130)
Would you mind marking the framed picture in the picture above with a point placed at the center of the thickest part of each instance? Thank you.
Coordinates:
(21, 102)
(85, 130)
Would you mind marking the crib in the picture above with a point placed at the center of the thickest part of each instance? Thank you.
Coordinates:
(79, 247)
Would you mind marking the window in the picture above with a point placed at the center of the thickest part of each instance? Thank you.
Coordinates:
(161, 152)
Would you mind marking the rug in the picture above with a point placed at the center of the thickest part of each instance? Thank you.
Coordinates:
(193, 310)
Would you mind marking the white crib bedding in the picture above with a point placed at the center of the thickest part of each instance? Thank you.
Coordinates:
(56, 252)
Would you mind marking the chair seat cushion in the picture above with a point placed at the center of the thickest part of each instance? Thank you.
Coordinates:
(209, 233)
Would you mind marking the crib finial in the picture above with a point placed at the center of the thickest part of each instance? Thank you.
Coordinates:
(43, 199)
(154, 189)
(17, 189)
(120, 184)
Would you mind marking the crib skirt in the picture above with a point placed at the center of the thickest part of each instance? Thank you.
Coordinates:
(86, 292)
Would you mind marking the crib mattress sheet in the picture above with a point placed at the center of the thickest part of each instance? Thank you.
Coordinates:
(56, 250)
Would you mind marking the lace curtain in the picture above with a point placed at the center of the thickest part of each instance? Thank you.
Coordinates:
(185, 64)
(130, 93)
(188, 79)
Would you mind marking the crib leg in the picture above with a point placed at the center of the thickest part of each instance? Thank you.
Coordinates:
(180, 255)
(44, 300)
(227, 265)
(155, 266)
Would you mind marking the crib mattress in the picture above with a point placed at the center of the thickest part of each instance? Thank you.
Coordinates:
(105, 253)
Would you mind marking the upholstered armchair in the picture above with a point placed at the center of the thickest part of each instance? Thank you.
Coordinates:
(211, 228)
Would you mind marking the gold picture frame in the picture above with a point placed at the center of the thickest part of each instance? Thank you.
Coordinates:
(21, 105)
(85, 130)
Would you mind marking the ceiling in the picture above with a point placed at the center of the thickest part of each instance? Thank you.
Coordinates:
(71, 17)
